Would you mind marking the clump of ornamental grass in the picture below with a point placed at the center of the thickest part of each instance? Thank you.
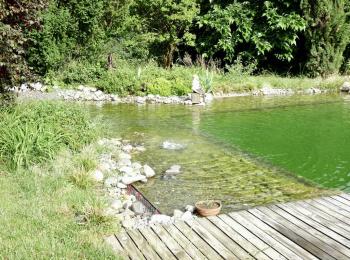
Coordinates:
(32, 133)
(82, 179)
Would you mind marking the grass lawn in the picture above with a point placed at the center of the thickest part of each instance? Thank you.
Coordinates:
(45, 187)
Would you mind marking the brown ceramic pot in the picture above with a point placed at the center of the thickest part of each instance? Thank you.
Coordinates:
(208, 208)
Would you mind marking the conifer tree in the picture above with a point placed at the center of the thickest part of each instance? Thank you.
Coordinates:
(327, 35)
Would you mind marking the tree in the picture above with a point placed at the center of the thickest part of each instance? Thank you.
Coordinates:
(16, 18)
(253, 29)
(166, 25)
(327, 35)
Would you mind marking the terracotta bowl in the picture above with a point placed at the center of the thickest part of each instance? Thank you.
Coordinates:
(206, 212)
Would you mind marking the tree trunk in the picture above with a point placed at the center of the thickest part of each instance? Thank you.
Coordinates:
(168, 56)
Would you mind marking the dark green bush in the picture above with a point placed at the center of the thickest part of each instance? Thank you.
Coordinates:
(34, 132)
(77, 72)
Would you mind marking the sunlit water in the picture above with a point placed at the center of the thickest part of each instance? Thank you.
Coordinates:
(244, 151)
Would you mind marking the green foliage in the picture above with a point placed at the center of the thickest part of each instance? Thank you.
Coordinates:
(327, 35)
(76, 72)
(121, 81)
(16, 18)
(55, 41)
(166, 24)
(35, 132)
(250, 29)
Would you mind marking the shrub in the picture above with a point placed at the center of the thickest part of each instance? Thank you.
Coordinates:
(76, 72)
(122, 81)
(34, 132)
(160, 86)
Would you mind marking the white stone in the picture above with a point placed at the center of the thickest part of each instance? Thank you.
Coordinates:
(208, 97)
(127, 148)
(345, 87)
(136, 166)
(111, 182)
(121, 185)
(128, 180)
(140, 100)
(124, 162)
(187, 216)
(177, 214)
(109, 212)
(190, 208)
(127, 204)
(97, 175)
(124, 156)
(117, 205)
(104, 166)
(140, 148)
(148, 171)
(174, 169)
(172, 146)
(128, 223)
(126, 169)
(160, 219)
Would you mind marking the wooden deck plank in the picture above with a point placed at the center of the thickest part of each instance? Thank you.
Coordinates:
(183, 241)
(264, 234)
(205, 248)
(224, 239)
(345, 196)
(291, 231)
(129, 246)
(324, 240)
(261, 245)
(156, 243)
(341, 218)
(143, 245)
(333, 208)
(319, 216)
(310, 229)
(116, 246)
(174, 247)
(211, 240)
(341, 242)
(300, 252)
(341, 199)
(338, 203)
(238, 238)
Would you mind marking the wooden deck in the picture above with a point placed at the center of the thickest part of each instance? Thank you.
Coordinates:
(310, 229)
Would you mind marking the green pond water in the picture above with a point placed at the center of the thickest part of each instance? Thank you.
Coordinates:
(243, 151)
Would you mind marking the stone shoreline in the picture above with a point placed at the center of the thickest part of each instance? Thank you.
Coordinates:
(89, 94)
(115, 171)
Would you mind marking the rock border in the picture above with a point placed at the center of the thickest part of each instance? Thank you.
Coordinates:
(89, 94)
(116, 170)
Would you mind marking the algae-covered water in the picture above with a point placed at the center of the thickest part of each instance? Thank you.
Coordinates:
(243, 151)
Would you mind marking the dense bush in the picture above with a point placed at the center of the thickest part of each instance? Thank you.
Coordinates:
(35, 132)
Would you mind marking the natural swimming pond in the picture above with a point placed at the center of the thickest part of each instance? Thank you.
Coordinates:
(244, 151)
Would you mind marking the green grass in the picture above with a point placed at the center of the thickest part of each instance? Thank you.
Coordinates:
(130, 77)
(50, 207)
(43, 214)
(34, 132)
